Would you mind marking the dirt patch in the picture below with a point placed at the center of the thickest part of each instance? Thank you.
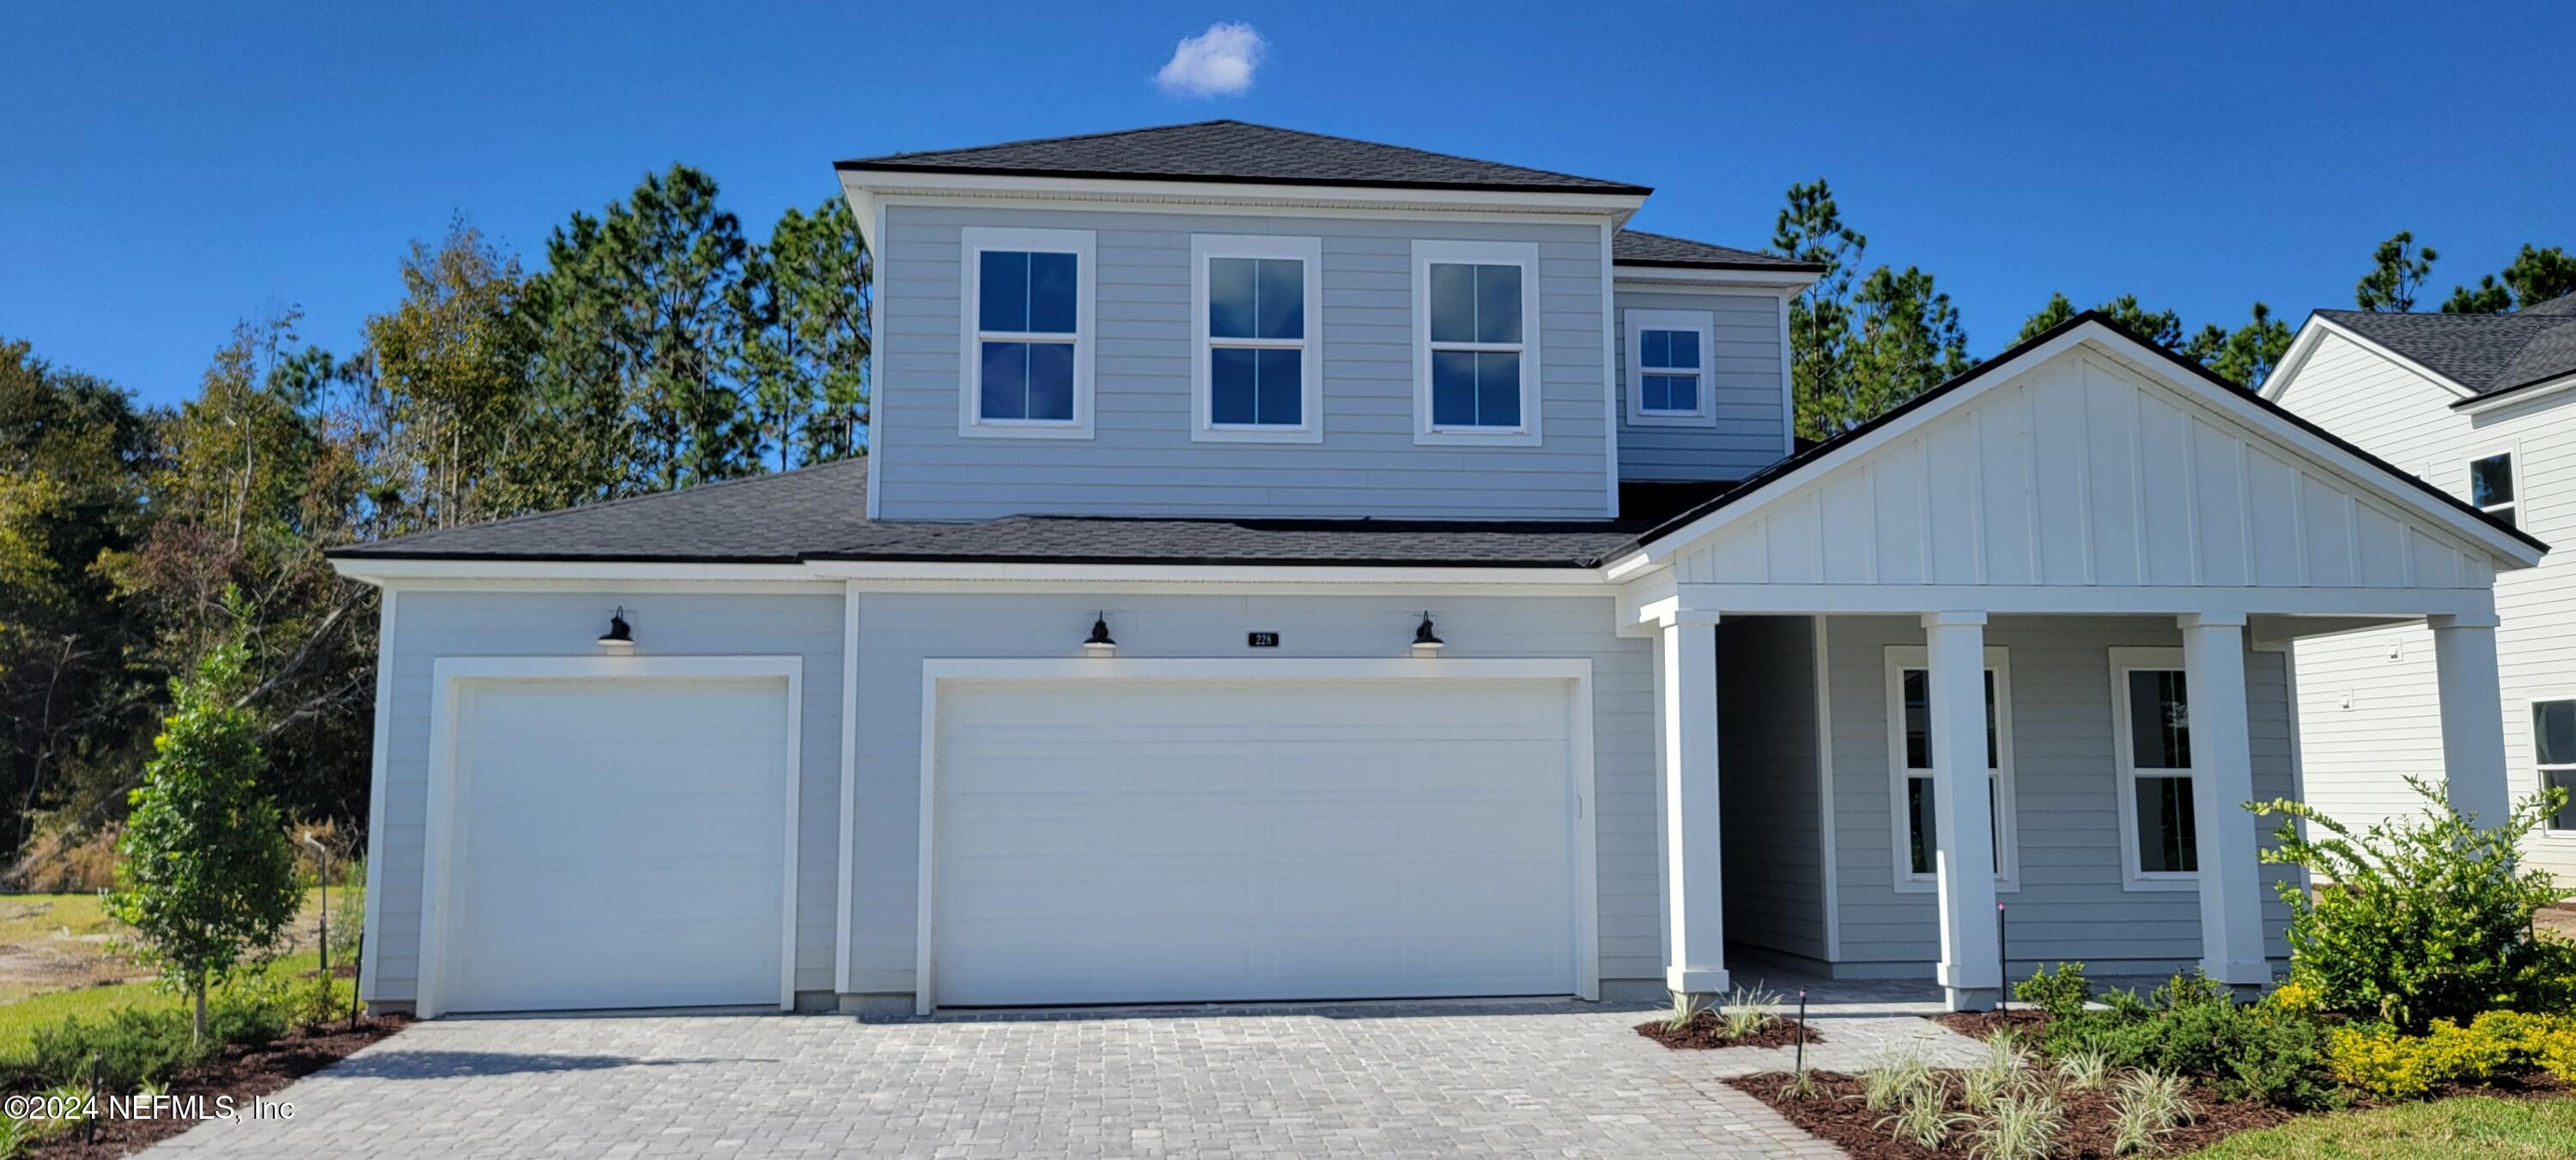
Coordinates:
(2558, 920)
(241, 1073)
(1706, 1031)
(1837, 1114)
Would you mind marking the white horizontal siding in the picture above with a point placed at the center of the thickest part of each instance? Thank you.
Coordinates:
(2368, 722)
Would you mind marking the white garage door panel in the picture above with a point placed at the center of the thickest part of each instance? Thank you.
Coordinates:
(617, 844)
(1154, 841)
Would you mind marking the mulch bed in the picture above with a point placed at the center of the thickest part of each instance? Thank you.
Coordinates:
(1707, 1031)
(241, 1072)
(1838, 1115)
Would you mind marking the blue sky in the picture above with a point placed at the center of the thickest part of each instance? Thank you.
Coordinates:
(170, 168)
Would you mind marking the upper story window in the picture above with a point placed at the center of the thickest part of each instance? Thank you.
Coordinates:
(2493, 488)
(1668, 357)
(2151, 715)
(1476, 363)
(1909, 696)
(1257, 365)
(1028, 326)
(2553, 748)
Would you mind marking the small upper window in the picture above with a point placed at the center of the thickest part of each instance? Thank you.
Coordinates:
(2491, 487)
(1027, 364)
(2553, 745)
(1259, 374)
(1477, 355)
(1668, 359)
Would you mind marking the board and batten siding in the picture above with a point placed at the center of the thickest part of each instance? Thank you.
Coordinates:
(1772, 834)
(897, 631)
(2369, 709)
(2081, 472)
(2071, 904)
(1141, 460)
(430, 624)
(1749, 420)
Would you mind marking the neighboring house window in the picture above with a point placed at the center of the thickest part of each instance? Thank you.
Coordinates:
(1668, 367)
(1257, 366)
(2492, 487)
(1910, 727)
(2553, 745)
(1476, 327)
(2151, 718)
(1028, 302)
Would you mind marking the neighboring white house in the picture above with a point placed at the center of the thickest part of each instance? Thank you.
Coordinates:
(1290, 567)
(2482, 406)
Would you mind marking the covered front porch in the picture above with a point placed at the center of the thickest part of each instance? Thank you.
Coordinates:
(1995, 675)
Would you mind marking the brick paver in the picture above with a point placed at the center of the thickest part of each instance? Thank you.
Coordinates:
(1529, 1079)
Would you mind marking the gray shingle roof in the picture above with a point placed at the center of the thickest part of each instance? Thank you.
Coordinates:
(2487, 353)
(1237, 151)
(820, 513)
(1639, 248)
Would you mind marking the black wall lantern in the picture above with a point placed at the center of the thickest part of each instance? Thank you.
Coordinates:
(1426, 642)
(1098, 643)
(619, 637)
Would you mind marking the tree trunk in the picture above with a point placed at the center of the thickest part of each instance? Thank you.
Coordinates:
(199, 1038)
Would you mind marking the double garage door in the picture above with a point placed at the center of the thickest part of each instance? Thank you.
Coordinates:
(620, 842)
(1122, 841)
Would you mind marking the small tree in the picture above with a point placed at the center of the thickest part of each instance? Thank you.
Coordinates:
(208, 879)
(2426, 918)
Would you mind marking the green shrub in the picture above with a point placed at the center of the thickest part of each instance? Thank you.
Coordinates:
(2376, 1059)
(2061, 994)
(2427, 918)
(133, 1046)
(2193, 1028)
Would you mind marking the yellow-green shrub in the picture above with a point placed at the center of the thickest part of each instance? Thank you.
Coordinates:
(2378, 1060)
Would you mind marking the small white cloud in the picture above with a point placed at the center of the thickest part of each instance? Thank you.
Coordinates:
(1215, 63)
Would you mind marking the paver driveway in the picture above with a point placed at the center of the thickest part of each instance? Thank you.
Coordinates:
(1553, 1079)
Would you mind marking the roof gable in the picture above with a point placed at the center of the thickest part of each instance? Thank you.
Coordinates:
(1237, 151)
(2087, 457)
(2480, 354)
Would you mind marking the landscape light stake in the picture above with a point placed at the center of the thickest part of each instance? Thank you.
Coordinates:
(1802, 1031)
(357, 979)
(2003, 962)
(324, 853)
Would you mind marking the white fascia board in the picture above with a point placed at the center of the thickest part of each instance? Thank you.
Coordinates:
(2275, 602)
(1685, 279)
(1230, 193)
(2310, 335)
(467, 573)
(2123, 350)
(2532, 392)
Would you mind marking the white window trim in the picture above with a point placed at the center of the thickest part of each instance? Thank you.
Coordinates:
(1310, 363)
(2007, 824)
(973, 241)
(2513, 469)
(2123, 662)
(1521, 254)
(2540, 778)
(1700, 322)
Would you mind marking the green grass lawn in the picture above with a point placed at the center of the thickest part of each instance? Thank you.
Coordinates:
(2471, 1126)
(69, 924)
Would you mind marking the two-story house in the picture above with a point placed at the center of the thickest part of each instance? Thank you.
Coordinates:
(1289, 567)
(2483, 406)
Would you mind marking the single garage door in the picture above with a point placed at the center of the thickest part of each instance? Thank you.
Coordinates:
(616, 843)
(1124, 841)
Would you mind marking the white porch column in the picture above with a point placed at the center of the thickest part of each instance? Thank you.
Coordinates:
(1971, 970)
(2222, 764)
(1686, 747)
(2464, 663)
